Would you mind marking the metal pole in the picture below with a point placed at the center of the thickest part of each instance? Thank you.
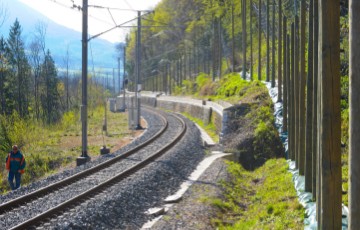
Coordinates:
(123, 85)
(138, 61)
(84, 156)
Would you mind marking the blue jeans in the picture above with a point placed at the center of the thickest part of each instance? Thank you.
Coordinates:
(17, 176)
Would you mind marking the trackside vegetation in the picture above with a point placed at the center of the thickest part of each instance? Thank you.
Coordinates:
(50, 148)
(259, 193)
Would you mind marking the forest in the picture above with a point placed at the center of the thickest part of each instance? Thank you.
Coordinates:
(37, 100)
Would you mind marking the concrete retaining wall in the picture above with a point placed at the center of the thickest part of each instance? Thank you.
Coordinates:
(195, 108)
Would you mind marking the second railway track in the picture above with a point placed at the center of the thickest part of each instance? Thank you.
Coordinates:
(88, 183)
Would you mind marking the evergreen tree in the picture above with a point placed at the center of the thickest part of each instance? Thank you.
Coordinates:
(4, 72)
(50, 100)
(20, 74)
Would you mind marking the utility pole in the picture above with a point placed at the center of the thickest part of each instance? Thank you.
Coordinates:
(267, 41)
(138, 65)
(259, 43)
(354, 96)
(84, 155)
(114, 85)
(330, 118)
(123, 84)
(243, 5)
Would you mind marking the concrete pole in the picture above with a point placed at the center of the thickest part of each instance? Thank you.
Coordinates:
(330, 117)
(354, 133)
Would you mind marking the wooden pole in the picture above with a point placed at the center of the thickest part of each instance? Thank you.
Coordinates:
(259, 43)
(280, 54)
(243, 5)
(292, 96)
(296, 92)
(285, 75)
(251, 43)
(330, 118)
(267, 42)
(302, 81)
(315, 151)
(233, 37)
(354, 97)
(273, 47)
(309, 107)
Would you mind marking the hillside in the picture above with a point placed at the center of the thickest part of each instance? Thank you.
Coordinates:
(101, 52)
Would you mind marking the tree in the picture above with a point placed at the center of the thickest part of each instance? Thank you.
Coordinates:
(49, 95)
(21, 69)
(4, 73)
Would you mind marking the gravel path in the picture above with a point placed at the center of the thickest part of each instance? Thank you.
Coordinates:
(194, 210)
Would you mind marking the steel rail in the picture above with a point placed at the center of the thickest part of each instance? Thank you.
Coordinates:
(43, 217)
(5, 207)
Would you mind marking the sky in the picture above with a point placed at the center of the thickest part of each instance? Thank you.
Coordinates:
(113, 12)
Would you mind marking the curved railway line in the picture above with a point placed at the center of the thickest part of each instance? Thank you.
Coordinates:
(53, 199)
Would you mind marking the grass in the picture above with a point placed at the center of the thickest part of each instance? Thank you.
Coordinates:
(264, 198)
(260, 199)
(49, 149)
(210, 129)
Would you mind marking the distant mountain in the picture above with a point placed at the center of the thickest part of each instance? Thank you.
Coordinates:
(101, 53)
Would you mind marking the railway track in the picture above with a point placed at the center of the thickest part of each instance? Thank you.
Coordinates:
(54, 199)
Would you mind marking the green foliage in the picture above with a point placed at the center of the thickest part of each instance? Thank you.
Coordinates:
(262, 199)
(232, 85)
(266, 141)
(49, 147)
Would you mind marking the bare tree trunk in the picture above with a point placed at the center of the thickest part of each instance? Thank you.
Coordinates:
(330, 118)
(354, 97)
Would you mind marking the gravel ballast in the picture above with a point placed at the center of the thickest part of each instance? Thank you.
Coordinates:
(123, 205)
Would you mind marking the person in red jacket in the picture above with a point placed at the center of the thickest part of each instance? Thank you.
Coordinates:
(15, 164)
